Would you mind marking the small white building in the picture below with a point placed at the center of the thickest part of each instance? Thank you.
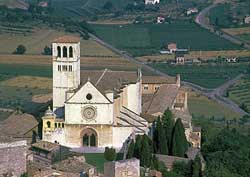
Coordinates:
(160, 19)
(247, 19)
(152, 2)
(192, 11)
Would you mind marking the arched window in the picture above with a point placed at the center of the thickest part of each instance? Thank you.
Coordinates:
(48, 124)
(58, 51)
(65, 52)
(59, 125)
(55, 125)
(70, 52)
(62, 125)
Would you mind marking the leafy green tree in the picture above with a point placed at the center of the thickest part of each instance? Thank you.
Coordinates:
(21, 49)
(196, 167)
(179, 142)
(47, 50)
(109, 154)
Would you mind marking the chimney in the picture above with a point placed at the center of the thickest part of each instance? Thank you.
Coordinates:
(178, 80)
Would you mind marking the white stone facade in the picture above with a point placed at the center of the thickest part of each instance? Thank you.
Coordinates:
(152, 2)
(91, 114)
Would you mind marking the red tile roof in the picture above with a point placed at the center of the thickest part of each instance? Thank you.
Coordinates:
(67, 39)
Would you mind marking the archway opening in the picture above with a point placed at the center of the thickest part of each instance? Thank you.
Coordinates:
(89, 138)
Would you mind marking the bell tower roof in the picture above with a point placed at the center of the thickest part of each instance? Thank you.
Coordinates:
(67, 39)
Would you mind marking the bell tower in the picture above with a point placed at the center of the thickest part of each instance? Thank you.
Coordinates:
(66, 69)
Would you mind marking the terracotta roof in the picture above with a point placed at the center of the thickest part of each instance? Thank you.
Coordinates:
(18, 124)
(107, 80)
(170, 160)
(196, 129)
(45, 145)
(161, 100)
(67, 39)
(158, 80)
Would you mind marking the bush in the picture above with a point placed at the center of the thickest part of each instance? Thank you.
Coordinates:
(21, 49)
(109, 154)
(47, 50)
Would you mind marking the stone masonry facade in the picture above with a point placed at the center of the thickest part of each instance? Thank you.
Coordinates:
(13, 158)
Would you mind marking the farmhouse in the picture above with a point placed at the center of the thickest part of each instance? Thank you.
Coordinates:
(91, 108)
(172, 47)
(192, 11)
(152, 2)
(247, 20)
(180, 58)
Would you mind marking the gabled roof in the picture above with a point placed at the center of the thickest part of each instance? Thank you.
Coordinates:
(161, 100)
(67, 39)
(107, 80)
(18, 124)
(158, 80)
(80, 96)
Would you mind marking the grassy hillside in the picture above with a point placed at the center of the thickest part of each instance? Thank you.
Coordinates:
(206, 75)
(240, 93)
(37, 39)
(145, 39)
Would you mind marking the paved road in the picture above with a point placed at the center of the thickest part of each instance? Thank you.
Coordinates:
(214, 94)
(202, 20)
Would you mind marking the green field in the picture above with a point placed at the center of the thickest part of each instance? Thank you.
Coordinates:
(98, 160)
(230, 14)
(201, 106)
(206, 75)
(146, 39)
(240, 93)
(244, 37)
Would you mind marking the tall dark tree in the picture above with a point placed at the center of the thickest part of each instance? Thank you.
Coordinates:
(131, 149)
(155, 134)
(163, 144)
(146, 155)
(179, 142)
(137, 148)
(168, 125)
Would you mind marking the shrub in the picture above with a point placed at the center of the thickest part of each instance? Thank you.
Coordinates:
(21, 49)
(109, 154)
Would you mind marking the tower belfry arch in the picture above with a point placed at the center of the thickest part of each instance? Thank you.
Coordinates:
(66, 69)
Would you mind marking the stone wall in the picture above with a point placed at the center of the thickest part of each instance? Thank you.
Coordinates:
(123, 168)
(13, 158)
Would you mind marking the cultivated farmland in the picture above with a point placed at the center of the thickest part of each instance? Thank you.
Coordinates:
(147, 39)
(36, 39)
(240, 93)
(205, 75)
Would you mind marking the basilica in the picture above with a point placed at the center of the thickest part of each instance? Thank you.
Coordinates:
(107, 108)
(91, 108)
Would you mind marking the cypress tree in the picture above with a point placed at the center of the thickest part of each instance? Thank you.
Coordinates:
(156, 134)
(179, 142)
(168, 124)
(131, 149)
(163, 144)
(137, 148)
(145, 152)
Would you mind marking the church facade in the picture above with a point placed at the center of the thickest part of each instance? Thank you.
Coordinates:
(91, 108)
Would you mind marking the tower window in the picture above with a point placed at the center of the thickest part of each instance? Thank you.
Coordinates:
(58, 51)
(48, 124)
(64, 68)
(70, 68)
(59, 68)
(70, 52)
(65, 52)
(55, 125)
